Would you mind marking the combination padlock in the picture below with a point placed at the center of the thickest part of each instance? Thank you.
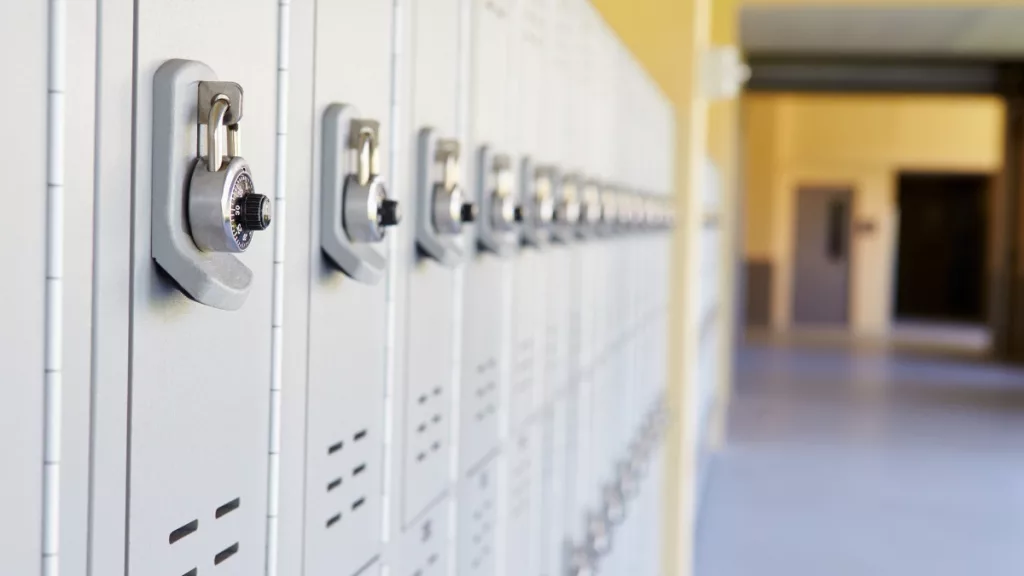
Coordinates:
(590, 204)
(367, 211)
(609, 208)
(599, 536)
(450, 210)
(504, 211)
(542, 202)
(580, 561)
(567, 209)
(224, 210)
(614, 504)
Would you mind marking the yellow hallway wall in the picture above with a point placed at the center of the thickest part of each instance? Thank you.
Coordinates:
(863, 142)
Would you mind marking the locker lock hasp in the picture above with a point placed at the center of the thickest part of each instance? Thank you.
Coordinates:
(497, 227)
(367, 212)
(355, 210)
(537, 194)
(205, 209)
(504, 211)
(449, 208)
(224, 210)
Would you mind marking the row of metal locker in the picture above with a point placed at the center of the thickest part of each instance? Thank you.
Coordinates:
(311, 287)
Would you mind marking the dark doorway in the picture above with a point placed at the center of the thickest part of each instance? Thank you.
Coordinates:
(822, 273)
(941, 255)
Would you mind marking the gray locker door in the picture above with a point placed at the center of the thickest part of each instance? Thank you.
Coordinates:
(528, 299)
(347, 319)
(421, 549)
(200, 380)
(485, 280)
(23, 54)
(522, 501)
(556, 488)
(426, 305)
(478, 521)
(485, 292)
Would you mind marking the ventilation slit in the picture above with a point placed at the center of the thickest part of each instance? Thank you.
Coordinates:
(360, 435)
(358, 470)
(225, 554)
(333, 484)
(334, 448)
(358, 503)
(181, 532)
(333, 519)
(228, 508)
(192, 572)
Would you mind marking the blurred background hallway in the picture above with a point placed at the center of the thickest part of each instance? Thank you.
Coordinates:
(845, 461)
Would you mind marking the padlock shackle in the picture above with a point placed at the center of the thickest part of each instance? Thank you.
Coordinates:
(214, 124)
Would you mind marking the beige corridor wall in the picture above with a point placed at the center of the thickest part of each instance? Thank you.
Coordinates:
(863, 142)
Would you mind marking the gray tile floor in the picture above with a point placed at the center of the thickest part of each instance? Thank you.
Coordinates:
(845, 463)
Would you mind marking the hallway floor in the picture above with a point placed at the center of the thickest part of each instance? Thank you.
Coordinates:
(843, 463)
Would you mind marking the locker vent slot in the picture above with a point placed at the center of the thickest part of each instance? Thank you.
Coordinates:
(358, 470)
(225, 554)
(333, 519)
(228, 508)
(429, 433)
(182, 531)
(192, 572)
(333, 484)
(334, 447)
(358, 503)
(360, 435)
(481, 534)
(523, 377)
(487, 386)
(520, 481)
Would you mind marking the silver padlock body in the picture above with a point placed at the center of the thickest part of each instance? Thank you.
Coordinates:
(503, 212)
(447, 208)
(545, 210)
(543, 205)
(361, 209)
(210, 200)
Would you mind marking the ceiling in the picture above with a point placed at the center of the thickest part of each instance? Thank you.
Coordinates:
(947, 32)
